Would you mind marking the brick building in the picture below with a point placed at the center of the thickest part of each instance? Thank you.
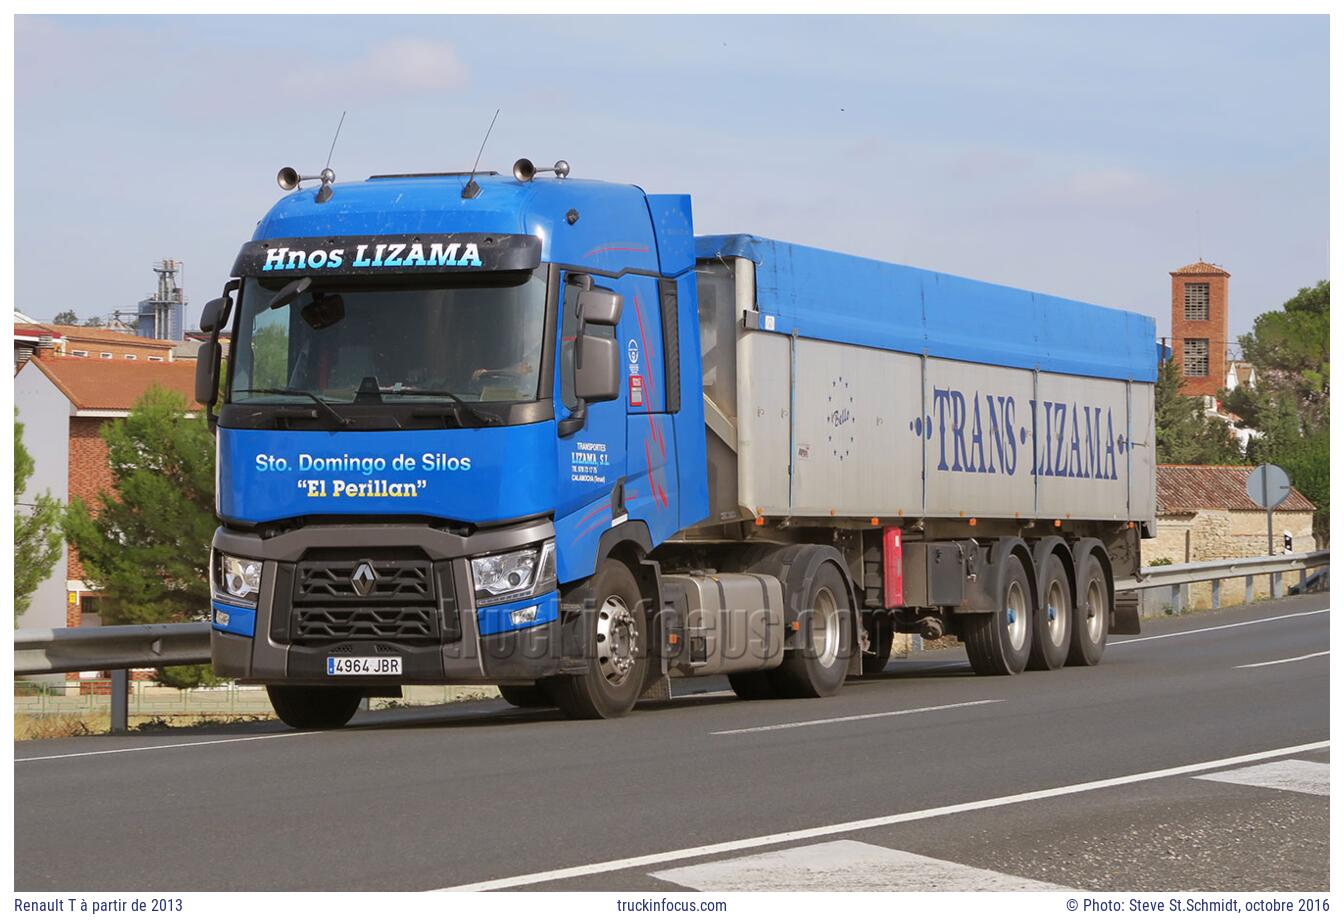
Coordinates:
(63, 402)
(108, 344)
(1203, 513)
(1199, 327)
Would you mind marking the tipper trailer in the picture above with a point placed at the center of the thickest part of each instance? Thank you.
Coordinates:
(533, 432)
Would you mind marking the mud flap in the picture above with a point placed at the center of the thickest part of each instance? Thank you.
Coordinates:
(1125, 622)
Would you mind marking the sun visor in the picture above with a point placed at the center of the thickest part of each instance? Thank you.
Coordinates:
(388, 254)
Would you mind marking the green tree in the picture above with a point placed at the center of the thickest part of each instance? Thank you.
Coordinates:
(37, 529)
(148, 544)
(1184, 433)
(1290, 405)
(66, 318)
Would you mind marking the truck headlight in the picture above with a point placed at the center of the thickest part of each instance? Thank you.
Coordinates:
(239, 578)
(512, 575)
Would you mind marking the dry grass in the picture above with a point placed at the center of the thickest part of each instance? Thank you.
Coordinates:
(74, 725)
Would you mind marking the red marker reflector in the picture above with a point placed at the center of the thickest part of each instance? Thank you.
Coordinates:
(893, 571)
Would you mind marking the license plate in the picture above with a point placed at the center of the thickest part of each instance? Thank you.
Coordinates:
(340, 667)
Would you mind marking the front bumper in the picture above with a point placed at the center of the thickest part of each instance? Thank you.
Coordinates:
(439, 632)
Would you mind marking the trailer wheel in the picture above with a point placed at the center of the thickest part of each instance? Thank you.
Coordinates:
(1053, 629)
(880, 634)
(752, 685)
(614, 679)
(314, 707)
(525, 697)
(1092, 626)
(826, 623)
(1000, 642)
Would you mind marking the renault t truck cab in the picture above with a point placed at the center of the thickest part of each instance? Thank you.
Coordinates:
(532, 432)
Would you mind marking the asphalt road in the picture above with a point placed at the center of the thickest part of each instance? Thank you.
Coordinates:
(1172, 766)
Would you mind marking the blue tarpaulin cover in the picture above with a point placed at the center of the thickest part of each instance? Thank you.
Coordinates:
(843, 298)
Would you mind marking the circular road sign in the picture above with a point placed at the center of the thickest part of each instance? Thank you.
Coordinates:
(1267, 485)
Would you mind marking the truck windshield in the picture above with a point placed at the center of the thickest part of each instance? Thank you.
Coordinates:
(474, 340)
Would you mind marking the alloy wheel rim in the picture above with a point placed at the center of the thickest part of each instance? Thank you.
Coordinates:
(1056, 613)
(1095, 611)
(617, 640)
(1014, 610)
(826, 628)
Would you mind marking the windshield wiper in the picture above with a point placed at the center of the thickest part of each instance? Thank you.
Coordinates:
(322, 403)
(465, 407)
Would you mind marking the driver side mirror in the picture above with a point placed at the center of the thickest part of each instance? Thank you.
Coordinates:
(600, 307)
(597, 369)
(207, 372)
(596, 366)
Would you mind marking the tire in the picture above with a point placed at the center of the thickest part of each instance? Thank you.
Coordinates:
(1092, 626)
(616, 672)
(1053, 629)
(314, 707)
(753, 685)
(526, 697)
(827, 625)
(995, 645)
(880, 634)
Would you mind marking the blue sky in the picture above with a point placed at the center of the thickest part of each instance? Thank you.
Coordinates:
(1081, 156)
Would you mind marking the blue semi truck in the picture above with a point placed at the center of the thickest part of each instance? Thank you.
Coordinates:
(534, 432)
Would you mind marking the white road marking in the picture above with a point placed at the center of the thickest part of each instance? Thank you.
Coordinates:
(161, 747)
(1265, 664)
(869, 715)
(843, 865)
(1309, 776)
(830, 830)
(1191, 632)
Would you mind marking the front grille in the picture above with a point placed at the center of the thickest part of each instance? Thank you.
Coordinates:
(396, 580)
(408, 600)
(396, 623)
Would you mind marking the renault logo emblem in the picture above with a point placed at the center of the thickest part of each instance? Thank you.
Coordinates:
(364, 579)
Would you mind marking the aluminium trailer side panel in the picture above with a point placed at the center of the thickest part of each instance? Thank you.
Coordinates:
(835, 430)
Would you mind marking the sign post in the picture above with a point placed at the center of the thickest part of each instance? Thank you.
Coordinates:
(1268, 486)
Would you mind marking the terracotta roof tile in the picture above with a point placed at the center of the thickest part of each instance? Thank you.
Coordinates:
(91, 383)
(96, 334)
(1184, 489)
(1201, 268)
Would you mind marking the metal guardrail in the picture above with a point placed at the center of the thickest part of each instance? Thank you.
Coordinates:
(119, 648)
(1176, 577)
(110, 648)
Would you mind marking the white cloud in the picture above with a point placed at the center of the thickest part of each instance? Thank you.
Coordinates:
(400, 66)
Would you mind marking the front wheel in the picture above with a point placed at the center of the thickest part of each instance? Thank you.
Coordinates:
(314, 707)
(616, 671)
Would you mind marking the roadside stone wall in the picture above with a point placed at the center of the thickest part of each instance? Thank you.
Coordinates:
(1212, 534)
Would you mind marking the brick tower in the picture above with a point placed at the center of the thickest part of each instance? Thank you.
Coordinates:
(1199, 327)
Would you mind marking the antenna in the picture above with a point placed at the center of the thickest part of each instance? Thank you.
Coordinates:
(471, 189)
(1199, 235)
(334, 140)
